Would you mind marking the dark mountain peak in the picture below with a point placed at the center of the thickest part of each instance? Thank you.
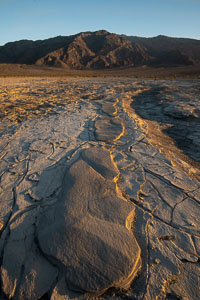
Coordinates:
(160, 36)
(99, 49)
(92, 33)
(102, 32)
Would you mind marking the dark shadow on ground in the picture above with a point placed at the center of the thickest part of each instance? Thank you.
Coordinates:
(182, 125)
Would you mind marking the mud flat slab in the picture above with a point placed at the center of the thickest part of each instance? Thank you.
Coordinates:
(91, 224)
(93, 204)
(108, 129)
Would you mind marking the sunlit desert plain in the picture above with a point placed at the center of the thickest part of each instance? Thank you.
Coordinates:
(99, 188)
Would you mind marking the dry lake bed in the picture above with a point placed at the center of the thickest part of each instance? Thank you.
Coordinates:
(99, 189)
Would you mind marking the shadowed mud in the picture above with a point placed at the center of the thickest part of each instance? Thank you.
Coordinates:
(176, 110)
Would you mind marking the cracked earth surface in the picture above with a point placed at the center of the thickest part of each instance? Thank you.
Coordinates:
(99, 189)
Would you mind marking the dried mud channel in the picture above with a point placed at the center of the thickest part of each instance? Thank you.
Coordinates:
(99, 189)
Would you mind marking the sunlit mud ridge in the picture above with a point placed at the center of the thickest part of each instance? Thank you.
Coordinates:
(93, 201)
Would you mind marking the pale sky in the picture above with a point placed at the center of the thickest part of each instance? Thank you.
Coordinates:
(40, 19)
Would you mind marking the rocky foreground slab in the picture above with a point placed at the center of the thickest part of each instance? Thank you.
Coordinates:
(99, 194)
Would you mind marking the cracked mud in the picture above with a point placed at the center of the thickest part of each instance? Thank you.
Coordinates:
(99, 189)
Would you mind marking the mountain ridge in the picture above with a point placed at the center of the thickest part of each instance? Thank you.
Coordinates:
(102, 49)
(162, 43)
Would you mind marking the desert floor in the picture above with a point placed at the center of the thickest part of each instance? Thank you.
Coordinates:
(99, 188)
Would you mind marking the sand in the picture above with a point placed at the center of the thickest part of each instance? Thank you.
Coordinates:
(99, 196)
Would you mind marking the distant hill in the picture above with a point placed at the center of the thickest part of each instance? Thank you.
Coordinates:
(165, 48)
(101, 50)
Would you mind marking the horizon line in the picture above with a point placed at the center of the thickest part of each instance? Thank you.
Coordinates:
(139, 36)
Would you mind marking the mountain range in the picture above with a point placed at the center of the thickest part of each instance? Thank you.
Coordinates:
(102, 49)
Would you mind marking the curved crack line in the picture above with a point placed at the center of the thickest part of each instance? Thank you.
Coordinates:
(159, 194)
(14, 206)
(3, 148)
(179, 228)
(187, 252)
(24, 174)
(173, 208)
(51, 260)
(172, 185)
(148, 255)
(3, 155)
(20, 213)
(52, 148)
(169, 281)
